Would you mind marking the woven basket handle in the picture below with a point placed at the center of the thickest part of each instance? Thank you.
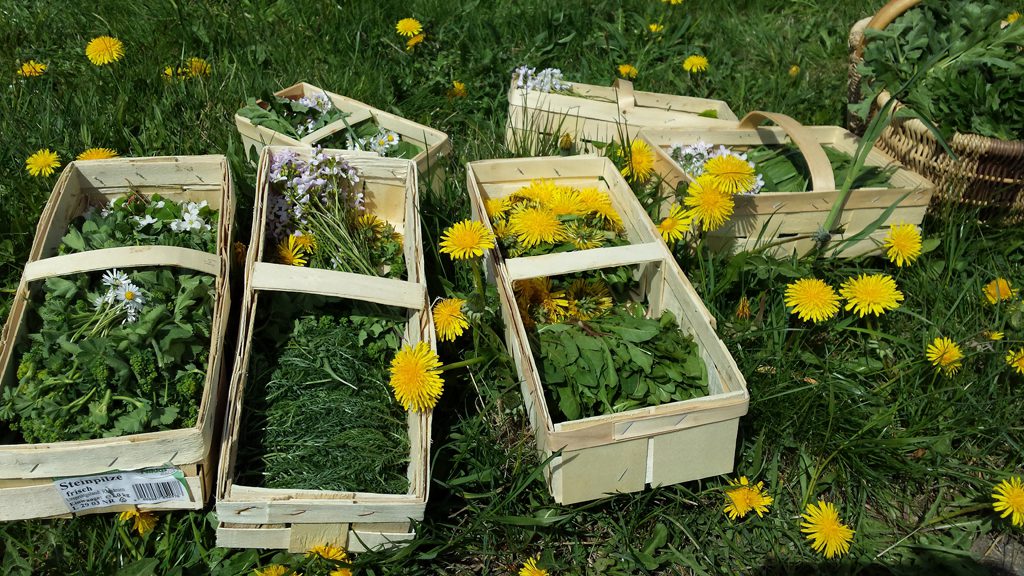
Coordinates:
(891, 11)
(822, 178)
(624, 91)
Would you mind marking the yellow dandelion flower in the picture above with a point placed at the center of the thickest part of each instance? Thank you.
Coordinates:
(583, 237)
(732, 174)
(565, 202)
(655, 28)
(1015, 360)
(828, 535)
(993, 335)
(416, 377)
(871, 294)
(998, 290)
(497, 207)
(746, 497)
(408, 27)
(412, 42)
(458, 90)
(794, 71)
(97, 154)
(675, 225)
(272, 570)
(1012, 17)
(291, 253)
(1009, 499)
(196, 67)
(341, 572)
(370, 221)
(539, 191)
(42, 163)
(812, 299)
(672, 2)
(903, 244)
(708, 203)
(743, 309)
(598, 203)
(328, 552)
(695, 64)
(640, 162)
(945, 355)
(305, 241)
(628, 71)
(530, 568)
(31, 69)
(104, 50)
(142, 522)
(500, 228)
(534, 226)
(466, 239)
(449, 319)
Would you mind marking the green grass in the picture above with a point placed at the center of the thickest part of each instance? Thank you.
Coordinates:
(850, 413)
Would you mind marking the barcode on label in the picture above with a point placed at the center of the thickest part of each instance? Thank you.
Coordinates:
(157, 491)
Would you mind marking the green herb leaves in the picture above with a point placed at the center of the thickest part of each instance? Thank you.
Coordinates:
(618, 362)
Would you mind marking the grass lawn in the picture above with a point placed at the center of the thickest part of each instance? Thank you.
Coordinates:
(850, 412)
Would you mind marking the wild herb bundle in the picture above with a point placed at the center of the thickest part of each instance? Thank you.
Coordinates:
(597, 356)
(318, 217)
(544, 217)
(320, 415)
(961, 63)
(300, 117)
(118, 353)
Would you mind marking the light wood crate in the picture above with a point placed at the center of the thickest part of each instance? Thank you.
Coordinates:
(430, 161)
(297, 520)
(790, 220)
(600, 113)
(27, 470)
(624, 452)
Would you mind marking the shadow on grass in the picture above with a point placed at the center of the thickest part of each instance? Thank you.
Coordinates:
(924, 564)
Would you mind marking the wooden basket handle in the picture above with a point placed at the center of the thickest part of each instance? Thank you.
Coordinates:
(822, 178)
(891, 11)
(624, 92)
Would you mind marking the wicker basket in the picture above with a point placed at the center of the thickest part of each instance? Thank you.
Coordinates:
(988, 173)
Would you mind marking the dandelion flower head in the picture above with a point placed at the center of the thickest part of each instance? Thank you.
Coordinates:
(1015, 360)
(695, 64)
(416, 377)
(871, 294)
(104, 50)
(534, 226)
(408, 27)
(903, 244)
(328, 552)
(945, 355)
(449, 319)
(31, 69)
(708, 203)
(744, 498)
(639, 161)
(97, 154)
(998, 290)
(828, 535)
(466, 239)
(43, 163)
(812, 299)
(732, 173)
(530, 568)
(1009, 499)
(142, 522)
(628, 71)
(675, 225)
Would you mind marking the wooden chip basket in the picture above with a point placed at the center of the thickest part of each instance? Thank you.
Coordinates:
(627, 451)
(27, 471)
(600, 113)
(988, 173)
(297, 520)
(786, 222)
(430, 161)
